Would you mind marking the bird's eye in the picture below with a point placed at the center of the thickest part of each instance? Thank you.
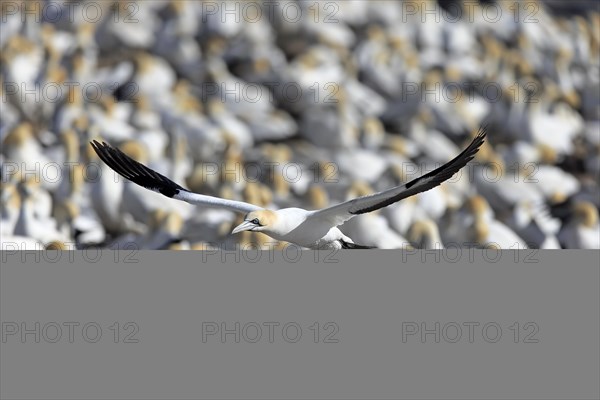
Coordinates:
(255, 221)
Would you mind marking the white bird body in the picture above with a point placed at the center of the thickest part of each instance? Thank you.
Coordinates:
(361, 164)
(581, 237)
(316, 229)
(33, 223)
(9, 242)
(551, 179)
(433, 143)
(433, 203)
(154, 77)
(25, 152)
(504, 191)
(11, 204)
(112, 125)
(372, 56)
(502, 236)
(295, 225)
(556, 129)
(583, 231)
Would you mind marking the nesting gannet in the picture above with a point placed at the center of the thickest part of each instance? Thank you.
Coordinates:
(22, 147)
(23, 62)
(583, 230)
(154, 76)
(78, 223)
(477, 224)
(112, 118)
(373, 60)
(35, 219)
(175, 39)
(316, 229)
(425, 234)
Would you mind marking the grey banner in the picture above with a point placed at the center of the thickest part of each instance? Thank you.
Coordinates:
(354, 324)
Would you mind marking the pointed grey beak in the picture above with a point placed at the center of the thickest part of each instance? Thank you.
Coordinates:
(244, 226)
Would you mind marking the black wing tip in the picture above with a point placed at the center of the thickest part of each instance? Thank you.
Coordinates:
(350, 245)
(483, 129)
(134, 171)
(473, 148)
(481, 134)
(100, 146)
(96, 143)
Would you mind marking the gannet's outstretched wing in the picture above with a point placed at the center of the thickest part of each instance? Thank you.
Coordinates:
(140, 174)
(342, 212)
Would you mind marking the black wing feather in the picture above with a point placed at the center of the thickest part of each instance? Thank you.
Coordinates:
(435, 177)
(134, 171)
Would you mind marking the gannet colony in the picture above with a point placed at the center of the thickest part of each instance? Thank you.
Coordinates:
(271, 106)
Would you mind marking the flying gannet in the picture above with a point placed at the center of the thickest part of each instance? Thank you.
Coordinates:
(313, 229)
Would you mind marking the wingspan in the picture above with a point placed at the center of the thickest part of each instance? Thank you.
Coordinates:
(142, 175)
(342, 212)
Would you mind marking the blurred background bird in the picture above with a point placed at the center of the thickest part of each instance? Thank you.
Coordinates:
(301, 104)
